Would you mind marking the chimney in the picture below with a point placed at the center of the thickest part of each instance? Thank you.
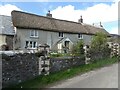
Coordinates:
(48, 14)
(101, 25)
(80, 20)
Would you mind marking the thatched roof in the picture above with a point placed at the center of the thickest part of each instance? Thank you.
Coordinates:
(94, 29)
(27, 20)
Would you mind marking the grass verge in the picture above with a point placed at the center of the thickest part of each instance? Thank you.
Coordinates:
(43, 81)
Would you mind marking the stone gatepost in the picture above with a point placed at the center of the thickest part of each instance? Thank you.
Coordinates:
(44, 60)
(87, 54)
(114, 49)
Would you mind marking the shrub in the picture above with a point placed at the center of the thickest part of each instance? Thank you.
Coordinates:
(99, 47)
(77, 49)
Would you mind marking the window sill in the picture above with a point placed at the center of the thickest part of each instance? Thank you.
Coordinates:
(61, 37)
(34, 37)
(31, 48)
(80, 38)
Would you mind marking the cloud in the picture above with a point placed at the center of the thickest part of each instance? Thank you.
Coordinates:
(94, 14)
(6, 9)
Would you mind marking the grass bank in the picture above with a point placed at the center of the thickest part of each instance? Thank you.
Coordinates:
(42, 81)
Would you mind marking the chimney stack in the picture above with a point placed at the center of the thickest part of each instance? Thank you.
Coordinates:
(80, 20)
(101, 25)
(48, 14)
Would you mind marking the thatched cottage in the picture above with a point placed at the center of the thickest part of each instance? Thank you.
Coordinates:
(60, 35)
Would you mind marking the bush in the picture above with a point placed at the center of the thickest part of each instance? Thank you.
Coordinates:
(77, 49)
(99, 47)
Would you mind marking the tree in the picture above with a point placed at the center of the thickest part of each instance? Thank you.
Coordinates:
(99, 47)
(99, 40)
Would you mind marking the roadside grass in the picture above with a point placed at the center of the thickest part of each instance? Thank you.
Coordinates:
(43, 81)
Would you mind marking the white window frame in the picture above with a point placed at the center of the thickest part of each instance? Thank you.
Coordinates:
(31, 45)
(61, 34)
(34, 33)
(80, 36)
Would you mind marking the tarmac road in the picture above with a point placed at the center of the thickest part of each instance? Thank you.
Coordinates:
(106, 77)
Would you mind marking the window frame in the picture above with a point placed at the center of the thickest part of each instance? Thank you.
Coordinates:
(61, 34)
(80, 36)
(34, 33)
(30, 44)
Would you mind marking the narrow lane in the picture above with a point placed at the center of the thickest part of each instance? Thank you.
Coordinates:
(106, 77)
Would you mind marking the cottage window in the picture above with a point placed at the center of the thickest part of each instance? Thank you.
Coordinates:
(34, 44)
(33, 33)
(27, 44)
(31, 44)
(80, 36)
(61, 34)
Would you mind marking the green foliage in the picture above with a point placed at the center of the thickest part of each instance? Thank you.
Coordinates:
(99, 40)
(77, 49)
(99, 47)
(56, 55)
(60, 54)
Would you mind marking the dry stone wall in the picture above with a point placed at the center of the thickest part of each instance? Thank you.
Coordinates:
(18, 68)
(58, 64)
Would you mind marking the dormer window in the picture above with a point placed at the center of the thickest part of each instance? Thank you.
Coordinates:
(80, 36)
(33, 33)
(61, 34)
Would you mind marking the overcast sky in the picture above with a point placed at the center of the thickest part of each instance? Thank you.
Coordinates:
(92, 12)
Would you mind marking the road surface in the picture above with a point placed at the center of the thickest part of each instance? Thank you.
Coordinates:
(106, 77)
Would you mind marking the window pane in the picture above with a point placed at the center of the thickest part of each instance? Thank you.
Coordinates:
(27, 44)
(80, 36)
(34, 44)
(60, 34)
(30, 44)
(31, 33)
(36, 33)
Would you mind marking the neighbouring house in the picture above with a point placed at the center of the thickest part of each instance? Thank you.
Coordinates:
(114, 43)
(33, 30)
(115, 38)
(6, 33)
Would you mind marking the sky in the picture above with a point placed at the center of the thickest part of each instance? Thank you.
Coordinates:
(92, 12)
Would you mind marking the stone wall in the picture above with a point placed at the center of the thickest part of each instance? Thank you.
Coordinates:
(18, 68)
(58, 64)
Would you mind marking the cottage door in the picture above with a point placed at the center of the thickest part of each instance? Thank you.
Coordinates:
(66, 46)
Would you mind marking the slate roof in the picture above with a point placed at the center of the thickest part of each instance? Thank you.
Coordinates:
(6, 26)
(27, 20)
